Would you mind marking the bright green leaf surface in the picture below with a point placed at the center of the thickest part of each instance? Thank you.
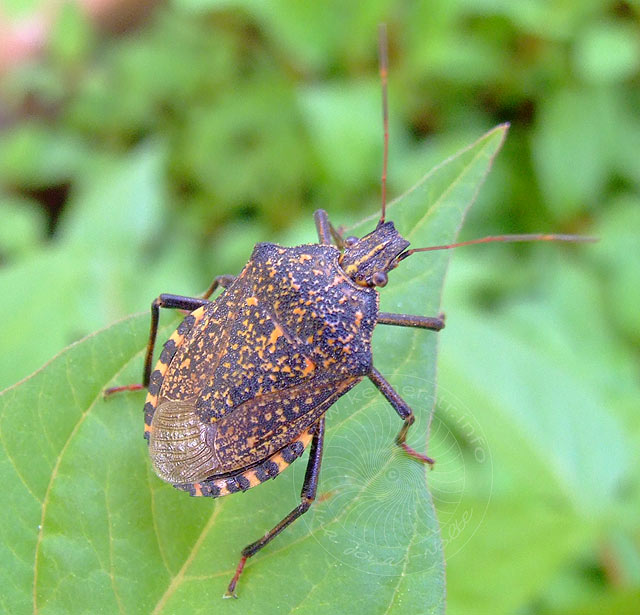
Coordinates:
(608, 51)
(572, 169)
(546, 402)
(87, 527)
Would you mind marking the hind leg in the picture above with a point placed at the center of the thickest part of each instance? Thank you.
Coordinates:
(307, 496)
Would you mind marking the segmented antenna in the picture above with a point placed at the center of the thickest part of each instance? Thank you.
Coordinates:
(384, 63)
(505, 239)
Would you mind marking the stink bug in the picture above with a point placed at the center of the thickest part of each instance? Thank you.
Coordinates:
(242, 386)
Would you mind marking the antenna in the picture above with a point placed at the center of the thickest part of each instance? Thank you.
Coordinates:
(505, 239)
(383, 52)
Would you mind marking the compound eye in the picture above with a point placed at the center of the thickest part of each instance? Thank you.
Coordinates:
(350, 241)
(379, 278)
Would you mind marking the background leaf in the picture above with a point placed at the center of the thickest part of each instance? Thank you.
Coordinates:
(87, 523)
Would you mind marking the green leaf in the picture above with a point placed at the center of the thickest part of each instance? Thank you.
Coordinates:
(571, 149)
(607, 51)
(547, 395)
(86, 526)
(571, 443)
(345, 142)
(71, 34)
(60, 293)
(23, 227)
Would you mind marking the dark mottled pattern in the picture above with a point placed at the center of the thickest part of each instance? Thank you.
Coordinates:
(168, 351)
(291, 452)
(274, 351)
(232, 484)
(261, 473)
(154, 382)
(243, 482)
(186, 325)
(270, 469)
(149, 409)
(210, 490)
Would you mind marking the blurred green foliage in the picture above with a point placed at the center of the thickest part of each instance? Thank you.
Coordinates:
(151, 161)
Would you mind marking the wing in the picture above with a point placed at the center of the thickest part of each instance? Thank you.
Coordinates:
(262, 426)
(186, 449)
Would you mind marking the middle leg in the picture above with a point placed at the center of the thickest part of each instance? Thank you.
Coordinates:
(326, 230)
(307, 496)
(163, 301)
(405, 412)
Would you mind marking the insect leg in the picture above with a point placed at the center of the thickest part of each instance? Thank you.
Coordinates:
(326, 230)
(405, 412)
(408, 320)
(223, 281)
(163, 301)
(307, 496)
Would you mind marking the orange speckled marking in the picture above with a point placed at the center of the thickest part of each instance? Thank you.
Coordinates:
(309, 367)
(162, 367)
(293, 283)
(275, 334)
(253, 479)
(177, 338)
(152, 399)
(252, 301)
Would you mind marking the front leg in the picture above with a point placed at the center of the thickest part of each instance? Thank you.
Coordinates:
(224, 281)
(326, 230)
(163, 301)
(176, 302)
(405, 412)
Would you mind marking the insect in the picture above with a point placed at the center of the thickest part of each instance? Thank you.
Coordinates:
(242, 386)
